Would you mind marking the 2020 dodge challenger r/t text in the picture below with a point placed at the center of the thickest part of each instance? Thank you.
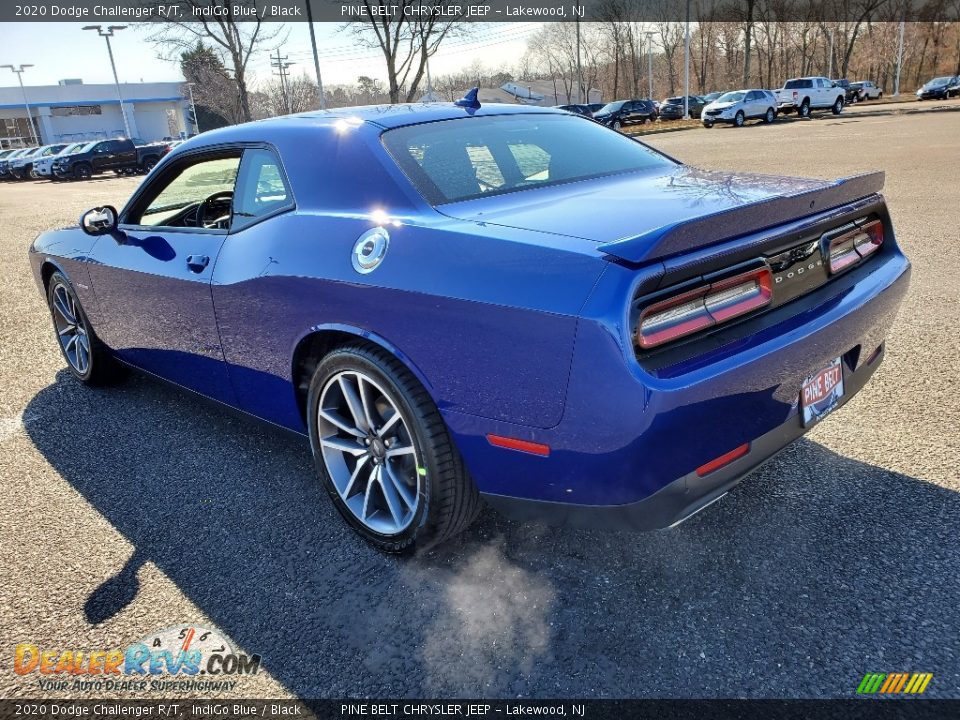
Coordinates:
(514, 303)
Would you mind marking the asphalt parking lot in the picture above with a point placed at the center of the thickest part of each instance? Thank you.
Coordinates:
(127, 510)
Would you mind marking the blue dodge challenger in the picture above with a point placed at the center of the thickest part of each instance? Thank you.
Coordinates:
(456, 302)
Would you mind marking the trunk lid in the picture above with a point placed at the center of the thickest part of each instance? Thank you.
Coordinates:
(645, 216)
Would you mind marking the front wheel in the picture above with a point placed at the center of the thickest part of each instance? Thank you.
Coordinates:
(770, 116)
(708, 124)
(384, 453)
(83, 172)
(837, 106)
(617, 125)
(739, 118)
(88, 360)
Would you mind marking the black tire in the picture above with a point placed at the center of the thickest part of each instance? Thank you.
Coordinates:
(616, 125)
(149, 163)
(837, 106)
(101, 369)
(83, 172)
(770, 116)
(449, 501)
(707, 124)
(739, 118)
(804, 109)
(880, 96)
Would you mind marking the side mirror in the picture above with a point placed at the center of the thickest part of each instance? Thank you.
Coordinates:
(99, 221)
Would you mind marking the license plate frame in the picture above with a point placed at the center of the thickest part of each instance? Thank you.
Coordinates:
(821, 392)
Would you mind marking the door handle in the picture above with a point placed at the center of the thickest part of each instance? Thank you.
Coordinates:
(197, 263)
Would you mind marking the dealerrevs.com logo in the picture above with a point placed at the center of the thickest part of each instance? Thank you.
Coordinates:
(180, 658)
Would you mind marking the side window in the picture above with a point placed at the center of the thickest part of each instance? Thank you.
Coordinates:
(178, 201)
(261, 188)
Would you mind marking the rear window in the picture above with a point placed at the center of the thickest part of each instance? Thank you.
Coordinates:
(466, 158)
(798, 84)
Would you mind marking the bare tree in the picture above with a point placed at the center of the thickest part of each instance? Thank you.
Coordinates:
(408, 33)
(234, 40)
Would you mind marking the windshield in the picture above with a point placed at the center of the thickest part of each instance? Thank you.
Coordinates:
(611, 107)
(936, 82)
(468, 158)
(731, 97)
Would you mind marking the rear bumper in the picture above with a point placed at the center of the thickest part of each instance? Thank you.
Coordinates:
(626, 450)
(683, 497)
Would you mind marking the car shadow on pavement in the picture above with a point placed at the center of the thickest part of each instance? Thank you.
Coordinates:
(815, 570)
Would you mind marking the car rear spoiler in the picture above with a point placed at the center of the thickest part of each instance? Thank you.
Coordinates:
(700, 232)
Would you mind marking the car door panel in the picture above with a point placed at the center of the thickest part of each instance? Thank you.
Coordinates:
(153, 288)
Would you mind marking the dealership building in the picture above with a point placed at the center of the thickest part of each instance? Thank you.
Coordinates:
(72, 111)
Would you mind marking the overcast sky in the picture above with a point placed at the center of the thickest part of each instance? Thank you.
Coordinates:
(63, 50)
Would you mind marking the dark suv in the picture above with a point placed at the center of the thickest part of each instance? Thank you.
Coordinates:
(672, 108)
(626, 112)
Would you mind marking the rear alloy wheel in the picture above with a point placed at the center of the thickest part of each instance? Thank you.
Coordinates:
(837, 106)
(384, 453)
(804, 110)
(87, 358)
(770, 116)
(739, 118)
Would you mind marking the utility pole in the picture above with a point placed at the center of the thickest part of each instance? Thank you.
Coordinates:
(316, 57)
(18, 69)
(106, 35)
(650, 34)
(686, 68)
(281, 64)
(896, 84)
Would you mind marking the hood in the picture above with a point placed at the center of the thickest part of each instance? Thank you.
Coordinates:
(632, 215)
(721, 105)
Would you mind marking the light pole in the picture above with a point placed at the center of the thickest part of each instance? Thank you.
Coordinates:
(896, 84)
(649, 34)
(106, 35)
(316, 57)
(193, 108)
(830, 60)
(18, 69)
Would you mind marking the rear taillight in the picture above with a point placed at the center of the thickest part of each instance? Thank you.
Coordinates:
(704, 307)
(849, 248)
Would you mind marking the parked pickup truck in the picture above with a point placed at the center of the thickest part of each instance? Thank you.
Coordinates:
(120, 156)
(810, 93)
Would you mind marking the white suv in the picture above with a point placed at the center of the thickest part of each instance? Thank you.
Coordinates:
(810, 93)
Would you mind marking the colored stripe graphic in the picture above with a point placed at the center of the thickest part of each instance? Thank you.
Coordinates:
(870, 683)
(894, 683)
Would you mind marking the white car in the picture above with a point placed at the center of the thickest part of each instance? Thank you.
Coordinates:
(867, 90)
(738, 106)
(44, 166)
